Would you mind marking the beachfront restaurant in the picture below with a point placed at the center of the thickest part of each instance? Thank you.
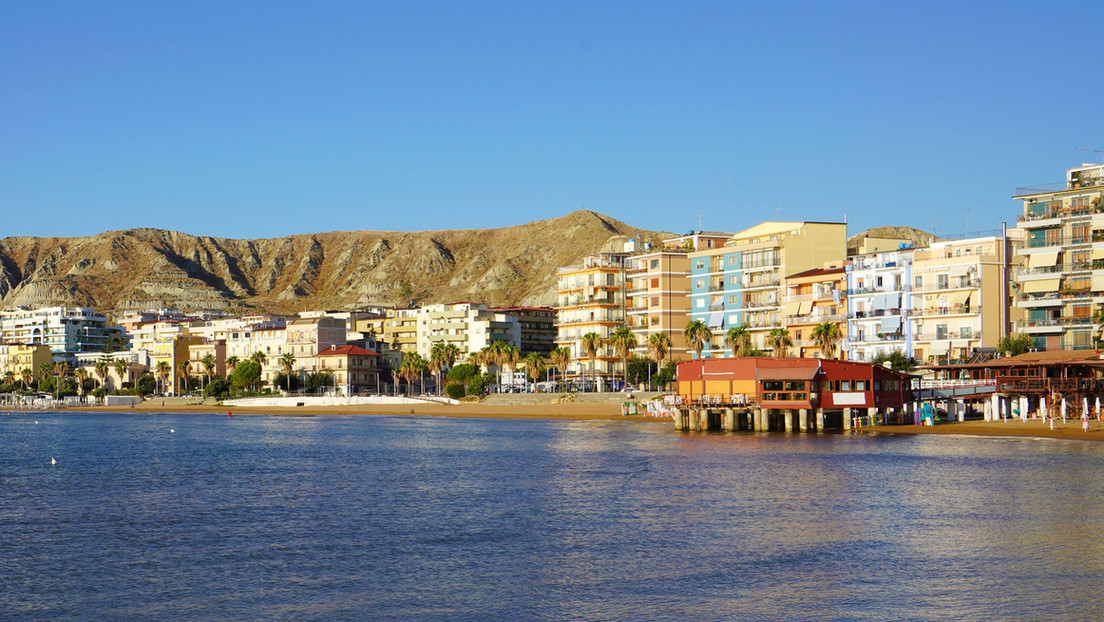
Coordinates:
(1033, 384)
(792, 394)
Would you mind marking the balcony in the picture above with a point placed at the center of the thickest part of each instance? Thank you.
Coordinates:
(951, 310)
(947, 336)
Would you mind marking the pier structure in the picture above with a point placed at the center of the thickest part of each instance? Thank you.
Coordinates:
(790, 395)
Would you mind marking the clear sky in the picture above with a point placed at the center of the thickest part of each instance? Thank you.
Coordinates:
(261, 119)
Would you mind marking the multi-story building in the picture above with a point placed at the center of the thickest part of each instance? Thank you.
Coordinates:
(355, 369)
(470, 326)
(64, 329)
(657, 284)
(741, 282)
(1063, 279)
(959, 298)
(538, 328)
(15, 357)
(590, 298)
(812, 298)
(878, 303)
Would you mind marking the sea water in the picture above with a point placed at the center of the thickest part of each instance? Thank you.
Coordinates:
(204, 517)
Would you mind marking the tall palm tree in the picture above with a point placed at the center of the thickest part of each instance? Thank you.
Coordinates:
(559, 358)
(738, 339)
(826, 335)
(121, 368)
(659, 346)
(437, 362)
(697, 335)
(624, 342)
(45, 370)
(9, 377)
(80, 374)
(27, 376)
(412, 366)
(495, 356)
(779, 340)
(259, 358)
(102, 367)
(511, 355)
(185, 371)
(164, 370)
(232, 364)
(590, 344)
(287, 361)
(61, 370)
(210, 363)
(534, 366)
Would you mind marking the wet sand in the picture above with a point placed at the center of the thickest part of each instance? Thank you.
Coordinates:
(1034, 428)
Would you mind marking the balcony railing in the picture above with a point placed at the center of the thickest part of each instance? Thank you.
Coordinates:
(951, 310)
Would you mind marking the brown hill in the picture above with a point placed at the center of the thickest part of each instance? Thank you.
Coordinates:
(142, 268)
(918, 237)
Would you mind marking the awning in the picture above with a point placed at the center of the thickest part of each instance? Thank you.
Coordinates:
(1098, 253)
(806, 308)
(890, 324)
(878, 301)
(892, 301)
(1040, 286)
(1042, 260)
(791, 308)
(1098, 282)
(958, 297)
(718, 302)
(958, 270)
(804, 372)
(716, 319)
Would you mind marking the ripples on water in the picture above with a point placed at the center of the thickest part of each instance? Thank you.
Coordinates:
(362, 518)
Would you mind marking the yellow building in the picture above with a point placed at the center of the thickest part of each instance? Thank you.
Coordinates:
(812, 298)
(15, 357)
(590, 298)
(741, 283)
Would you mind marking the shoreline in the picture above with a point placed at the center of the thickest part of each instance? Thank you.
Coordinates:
(587, 411)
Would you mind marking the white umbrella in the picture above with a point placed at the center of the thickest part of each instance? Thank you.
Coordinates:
(1063, 410)
(1084, 407)
(1097, 406)
(1042, 406)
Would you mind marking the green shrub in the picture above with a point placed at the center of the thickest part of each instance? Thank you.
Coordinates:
(455, 390)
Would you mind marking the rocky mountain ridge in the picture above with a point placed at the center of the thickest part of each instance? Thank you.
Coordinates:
(143, 268)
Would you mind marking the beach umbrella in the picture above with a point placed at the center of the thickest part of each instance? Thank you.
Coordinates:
(1063, 410)
(1042, 406)
(1097, 406)
(1085, 406)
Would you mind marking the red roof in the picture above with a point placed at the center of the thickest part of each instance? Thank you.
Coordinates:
(347, 351)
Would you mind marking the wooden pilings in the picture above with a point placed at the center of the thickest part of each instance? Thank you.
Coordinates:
(751, 419)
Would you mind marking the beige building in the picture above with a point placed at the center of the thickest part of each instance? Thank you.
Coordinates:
(590, 298)
(741, 283)
(1062, 281)
(355, 369)
(657, 283)
(814, 297)
(467, 325)
(15, 357)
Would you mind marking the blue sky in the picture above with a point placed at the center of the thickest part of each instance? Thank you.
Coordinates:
(262, 119)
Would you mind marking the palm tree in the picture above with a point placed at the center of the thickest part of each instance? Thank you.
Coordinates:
(437, 361)
(210, 363)
(697, 335)
(494, 355)
(80, 374)
(45, 370)
(624, 341)
(27, 376)
(590, 344)
(559, 358)
(738, 339)
(825, 335)
(102, 367)
(121, 368)
(287, 361)
(511, 355)
(659, 346)
(9, 377)
(534, 366)
(779, 340)
(232, 364)
(185, 372)
(259, 358)
(412, 366)
(164, 370)
(61, 370)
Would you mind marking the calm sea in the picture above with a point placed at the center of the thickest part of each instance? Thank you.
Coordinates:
(204, 517)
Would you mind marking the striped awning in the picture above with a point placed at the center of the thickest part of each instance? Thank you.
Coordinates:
(1042, 285)
(1042, 260)
(959, 297)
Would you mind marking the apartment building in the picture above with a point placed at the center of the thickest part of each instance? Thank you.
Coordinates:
(879, 284)
(63, 329)
(470, 326)
(1062, 281)
(812, 298)
(537, 326)
(355, 369)
(741, 282)
(15, 357)
(657, 283)
(959, 298)
(590, 298)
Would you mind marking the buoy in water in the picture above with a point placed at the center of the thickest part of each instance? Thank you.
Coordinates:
(172, 431)
(229, 414)
(52, 461)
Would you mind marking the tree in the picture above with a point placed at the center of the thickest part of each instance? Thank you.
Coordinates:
(232, 364)
(259, 358)
(412, 367)
(287, 362)
(534, 366)
(779, 340)
(559, 359)
(121, 368)
(590, 344)
(511, 356)
(898, 361)
(80, 375)
(437, 361)
(210, 363)
(45, 370)
(102, 367)
(247, 373)
(27, 376)
(146, 384)
(163, 371)
(738, 339)
(1014, 345)
(624, 342)
(9, 377)
(659, 346)
(697, 336)
(185, 371)
(61, 370)
(826, 335)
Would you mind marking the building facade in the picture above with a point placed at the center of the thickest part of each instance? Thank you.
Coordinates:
(590, 298)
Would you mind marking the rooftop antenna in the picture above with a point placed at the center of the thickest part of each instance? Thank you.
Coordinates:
(1094, 150)
(699, 215)
(968, 210)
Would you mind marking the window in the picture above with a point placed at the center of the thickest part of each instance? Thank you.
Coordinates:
(845, 385)
(699, 303)
(919, 282)
(860, 385)
(655, 301)
(941, 281)
(699, 264)
(699, 284)
(655, 283)
(654, 264)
